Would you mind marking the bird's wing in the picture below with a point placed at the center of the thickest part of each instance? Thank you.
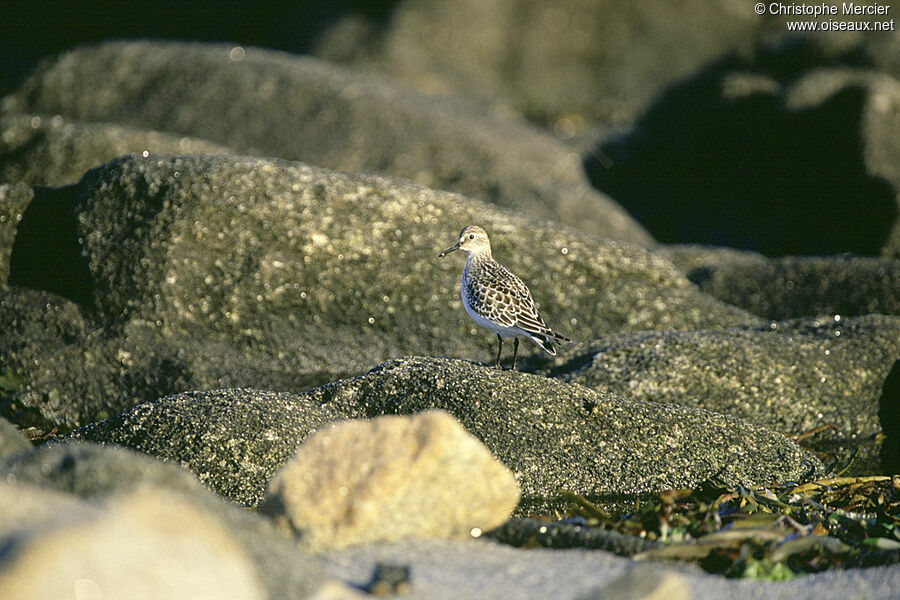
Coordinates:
(505, 299)
(529, 320)
(527, 317)
(491, 302)
(517, 302)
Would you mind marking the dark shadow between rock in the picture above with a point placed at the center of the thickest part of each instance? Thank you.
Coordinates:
(46, 254)
(744, 156)
(889, 414)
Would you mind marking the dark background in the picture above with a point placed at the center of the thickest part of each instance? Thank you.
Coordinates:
(754, 174)
(31, 30)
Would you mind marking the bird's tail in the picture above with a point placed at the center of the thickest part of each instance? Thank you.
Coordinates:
(560, 338)
(546, 344)
(546, 341)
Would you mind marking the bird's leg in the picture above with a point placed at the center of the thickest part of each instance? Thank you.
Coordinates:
(499, 349)
(515, 352)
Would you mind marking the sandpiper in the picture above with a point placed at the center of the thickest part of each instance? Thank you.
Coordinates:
(496, 299)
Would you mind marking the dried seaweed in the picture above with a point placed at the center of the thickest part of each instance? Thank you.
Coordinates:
(770, 532)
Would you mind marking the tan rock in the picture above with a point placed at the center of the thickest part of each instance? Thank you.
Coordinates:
(390, 478)
(148, 544)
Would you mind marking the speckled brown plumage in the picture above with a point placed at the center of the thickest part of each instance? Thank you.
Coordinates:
(497, 299)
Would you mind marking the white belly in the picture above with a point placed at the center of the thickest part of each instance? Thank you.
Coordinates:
(487, 324)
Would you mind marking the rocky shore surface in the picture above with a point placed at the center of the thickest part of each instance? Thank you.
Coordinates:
(232, 365)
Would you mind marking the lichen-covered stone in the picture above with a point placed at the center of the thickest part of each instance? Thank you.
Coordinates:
(14, 199)
(788, 376)
(792, 286)
(570, 60)
(554, 436)
(42, 150)
(300, 108)
(69, 371)
(204, 272)
(558, 436)
(232, 440)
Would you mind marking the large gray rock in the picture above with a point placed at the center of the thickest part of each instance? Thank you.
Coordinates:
(559, 436)
(92, 471)
(53, 151)
(789, 376)
(390, 478)
(546, 60)
(554, 436)
(574, 62)
(300, 108)
(289, 275)
(14, 199)
(232, 440)
(792, 286)
(69, 370)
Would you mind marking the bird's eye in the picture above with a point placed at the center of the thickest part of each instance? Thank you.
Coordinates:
(471, 236)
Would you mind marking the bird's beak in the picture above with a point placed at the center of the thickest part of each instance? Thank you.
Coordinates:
(449, 250)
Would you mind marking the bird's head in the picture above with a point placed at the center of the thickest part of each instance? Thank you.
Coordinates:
(471, 239)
